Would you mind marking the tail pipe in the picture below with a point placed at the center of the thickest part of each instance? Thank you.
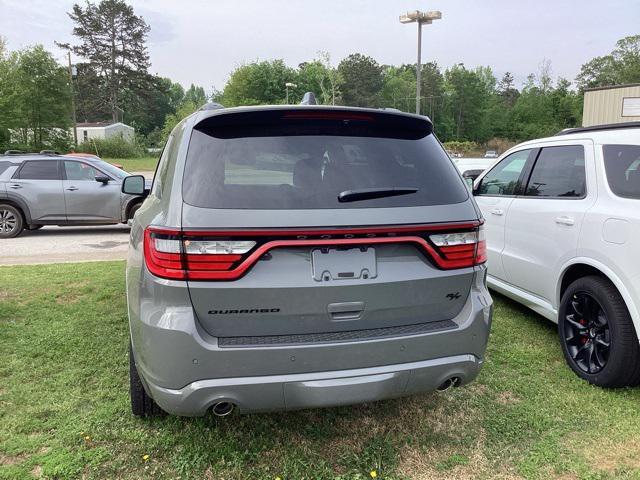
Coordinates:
(222, 409)
(448, 383)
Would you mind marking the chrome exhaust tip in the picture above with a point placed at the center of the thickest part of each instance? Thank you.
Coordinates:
(222, 409)
(448, 383)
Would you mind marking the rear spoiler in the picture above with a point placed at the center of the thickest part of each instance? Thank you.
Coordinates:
(314, 120)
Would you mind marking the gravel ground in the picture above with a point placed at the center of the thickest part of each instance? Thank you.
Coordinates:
(53, 244)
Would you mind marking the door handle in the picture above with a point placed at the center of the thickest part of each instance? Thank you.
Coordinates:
(497, 211)
(565, 220)
(15, 186)
(346, 310)
(72, 189)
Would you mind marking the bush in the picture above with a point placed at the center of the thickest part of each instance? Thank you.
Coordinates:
(460, 146)
(115, 147)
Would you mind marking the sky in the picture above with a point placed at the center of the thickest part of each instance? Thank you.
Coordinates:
(201, 42)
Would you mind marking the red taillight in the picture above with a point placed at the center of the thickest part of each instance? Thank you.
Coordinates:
(176, 255)
(162, 253)
(461, 249)
(227, 255)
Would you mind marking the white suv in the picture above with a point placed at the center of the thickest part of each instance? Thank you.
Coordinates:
(563, 235)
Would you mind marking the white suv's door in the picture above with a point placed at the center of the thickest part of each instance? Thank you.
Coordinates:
(543, 224)
(494, 193)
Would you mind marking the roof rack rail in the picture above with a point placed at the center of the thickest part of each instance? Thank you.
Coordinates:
(14, 152)
(597, 128)
(212, 106)
(49, 152)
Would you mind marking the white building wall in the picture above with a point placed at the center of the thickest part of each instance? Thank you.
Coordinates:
(108, 131)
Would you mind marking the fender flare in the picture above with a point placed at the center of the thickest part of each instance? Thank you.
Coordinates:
(20, 203)
(128, 204)
(612, 276)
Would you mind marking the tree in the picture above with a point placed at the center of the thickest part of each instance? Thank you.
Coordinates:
(507, 91)
(431, 90)
(467, 95)
(186, 109)
(398, 89)
(362, 80)
(258, 83)
(112, 40)
(330, 81)
(622, 65)
(196, 95)
(37, 89)
(146, 110)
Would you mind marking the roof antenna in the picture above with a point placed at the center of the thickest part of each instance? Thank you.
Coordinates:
(309, 99)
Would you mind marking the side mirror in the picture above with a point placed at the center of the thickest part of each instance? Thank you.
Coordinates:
(469, 182)
(102, 179)
(133, 185)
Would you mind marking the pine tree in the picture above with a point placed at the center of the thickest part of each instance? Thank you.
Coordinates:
(112, 42)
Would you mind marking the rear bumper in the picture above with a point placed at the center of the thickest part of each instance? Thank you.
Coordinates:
(186, 370)
(323, 389)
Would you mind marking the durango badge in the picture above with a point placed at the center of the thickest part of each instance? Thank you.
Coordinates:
(243, 310)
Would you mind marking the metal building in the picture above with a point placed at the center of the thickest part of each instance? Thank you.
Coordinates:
(615, 104)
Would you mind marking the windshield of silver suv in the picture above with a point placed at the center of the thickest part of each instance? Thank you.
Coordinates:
(351, 161)
(110, 169)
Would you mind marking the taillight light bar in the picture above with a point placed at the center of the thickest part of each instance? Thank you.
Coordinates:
(461, 249)
(198, 255)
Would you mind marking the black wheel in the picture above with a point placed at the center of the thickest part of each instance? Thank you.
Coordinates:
(142, 405)
(597, 335)
(133, 210)
(11, 221)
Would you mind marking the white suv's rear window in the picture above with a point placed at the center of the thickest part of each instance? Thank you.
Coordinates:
(294, 165)
(622, 164)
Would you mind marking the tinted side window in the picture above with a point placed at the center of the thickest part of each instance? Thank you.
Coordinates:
(169, 154)
(558, 172)
(4, 166)
(503, 179)
(622, 164)
(80, 171)
(39, 170)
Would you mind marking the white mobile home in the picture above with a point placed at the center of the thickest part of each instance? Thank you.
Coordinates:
(101, 130)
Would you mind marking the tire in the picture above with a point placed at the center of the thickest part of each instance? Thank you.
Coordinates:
(597, 335)
(133, 210)
(11, 221)
(142, 405)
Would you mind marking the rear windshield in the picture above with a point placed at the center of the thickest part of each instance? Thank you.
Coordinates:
(622, 164)
(306, 163)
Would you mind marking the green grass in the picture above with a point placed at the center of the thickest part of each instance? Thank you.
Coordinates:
(143, 164)
(64, 409)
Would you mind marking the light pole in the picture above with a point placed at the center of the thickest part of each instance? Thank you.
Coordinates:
(72, 73)
(420, 18)
(286, 86)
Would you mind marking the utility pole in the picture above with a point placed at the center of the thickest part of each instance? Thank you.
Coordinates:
(420, 18)
(286, 86)
(73, 101)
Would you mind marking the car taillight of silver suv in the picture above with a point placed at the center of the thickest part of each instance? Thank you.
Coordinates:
(300, 257)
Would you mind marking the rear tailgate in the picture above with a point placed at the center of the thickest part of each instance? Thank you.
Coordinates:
(271, 251)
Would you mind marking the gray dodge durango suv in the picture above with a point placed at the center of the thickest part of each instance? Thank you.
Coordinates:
(292, 257)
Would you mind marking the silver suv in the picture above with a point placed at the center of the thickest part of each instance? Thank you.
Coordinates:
(296, 257)
(48, 189)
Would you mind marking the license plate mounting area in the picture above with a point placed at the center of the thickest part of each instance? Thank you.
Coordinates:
(348, 263)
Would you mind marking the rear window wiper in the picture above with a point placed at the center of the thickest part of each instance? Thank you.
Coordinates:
(370, 193)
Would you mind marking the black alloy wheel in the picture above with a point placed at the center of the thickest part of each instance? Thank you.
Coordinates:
(586, 333)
